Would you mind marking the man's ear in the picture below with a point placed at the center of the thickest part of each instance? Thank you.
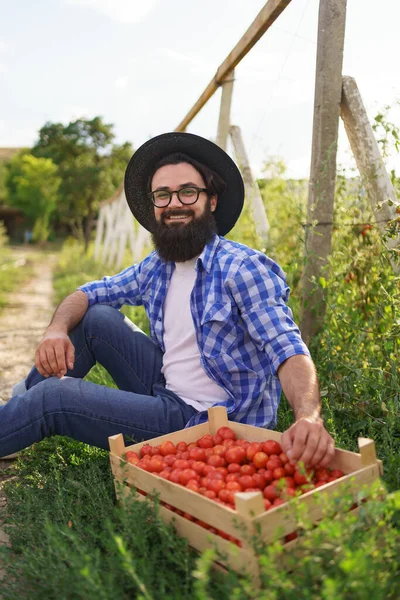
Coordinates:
(213, 203)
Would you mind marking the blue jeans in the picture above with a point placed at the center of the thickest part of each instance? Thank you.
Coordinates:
(140, 409)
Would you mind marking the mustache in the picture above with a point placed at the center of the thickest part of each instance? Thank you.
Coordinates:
(177, 212)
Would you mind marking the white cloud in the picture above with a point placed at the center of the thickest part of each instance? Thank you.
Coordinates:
(125, 11)
(121, 82)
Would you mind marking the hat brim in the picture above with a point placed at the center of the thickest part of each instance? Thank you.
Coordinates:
(142, 163)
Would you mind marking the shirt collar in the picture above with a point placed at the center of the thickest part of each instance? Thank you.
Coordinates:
(207, 256)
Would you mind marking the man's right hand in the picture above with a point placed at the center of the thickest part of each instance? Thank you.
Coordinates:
(55, 354)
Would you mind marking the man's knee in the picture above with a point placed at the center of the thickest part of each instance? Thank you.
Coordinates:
(99, 316)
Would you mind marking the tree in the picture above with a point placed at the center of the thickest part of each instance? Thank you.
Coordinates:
(89, 165)
(32, 186)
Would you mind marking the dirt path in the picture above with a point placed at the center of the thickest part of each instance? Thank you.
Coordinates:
(22, 324)
(24, 320)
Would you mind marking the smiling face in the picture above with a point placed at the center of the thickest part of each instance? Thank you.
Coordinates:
(176, 177)
(181, 230)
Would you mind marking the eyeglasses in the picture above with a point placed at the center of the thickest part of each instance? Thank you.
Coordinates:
(186, 195)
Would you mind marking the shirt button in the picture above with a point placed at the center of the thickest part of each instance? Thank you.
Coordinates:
(159, 318)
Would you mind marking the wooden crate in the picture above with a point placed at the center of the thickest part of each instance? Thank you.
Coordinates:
(250, 516)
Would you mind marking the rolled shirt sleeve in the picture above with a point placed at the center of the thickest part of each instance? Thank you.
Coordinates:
(115, 290)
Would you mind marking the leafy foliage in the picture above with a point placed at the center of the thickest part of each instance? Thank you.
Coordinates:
(90, 167)
(33, 185)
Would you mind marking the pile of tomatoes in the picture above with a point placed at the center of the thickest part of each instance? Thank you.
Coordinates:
(219, 466)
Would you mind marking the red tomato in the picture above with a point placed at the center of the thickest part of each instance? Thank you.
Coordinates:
(216, 461)
(267, 503)
(260, 460)
(299, 478)
(269, 476)
(272, 447)
(270, 493)
(164, 474)
(233, 468)
(197, 453)
(198, 466)
(246, 481)
(259, 481)
(228, 442)
(174, 475)
(337, 473)
(278, 502)
(181, 447)
(219, 449)
(232, 477)
(207, 469)
(224, 495)
(167, 448)
(210, 494)
(247, 470)
(169, 459)
(283, 458)
(243, 444)
(216, 474)
(223, 471)
(289, 469)
(181, 464)
(206, 441)
(216, 485)
(226, 433)
(278, 473)
(146, 449)
(322, 474)
(156, 464)
(193, 485)
(233, 486)
(190, 446)
(235, 455)
(133, 458)
(217, 439)
(274, 462)
(186, 475)
(252, 449)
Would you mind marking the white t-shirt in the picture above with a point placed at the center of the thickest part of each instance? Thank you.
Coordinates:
(182, 368)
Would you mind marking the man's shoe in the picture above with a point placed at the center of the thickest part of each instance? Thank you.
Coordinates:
(15, 454)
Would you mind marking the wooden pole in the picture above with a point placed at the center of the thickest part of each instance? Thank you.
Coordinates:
(252, 190)
(267, 15)
(364, 146)
(328, 90)
(225, 110)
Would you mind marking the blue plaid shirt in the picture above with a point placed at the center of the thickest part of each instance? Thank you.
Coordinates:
(244, 328)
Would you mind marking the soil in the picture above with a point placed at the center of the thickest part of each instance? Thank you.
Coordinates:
(22, 324)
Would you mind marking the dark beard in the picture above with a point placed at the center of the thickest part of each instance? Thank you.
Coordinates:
(179, 243)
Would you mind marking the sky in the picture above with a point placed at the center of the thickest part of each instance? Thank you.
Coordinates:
(142, 64)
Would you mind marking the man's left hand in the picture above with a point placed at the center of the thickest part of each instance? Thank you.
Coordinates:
(308, 441)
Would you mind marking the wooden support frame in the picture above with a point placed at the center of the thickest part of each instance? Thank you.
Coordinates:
(267, 15)
(369, 161)
(224, 120)
(252, 191)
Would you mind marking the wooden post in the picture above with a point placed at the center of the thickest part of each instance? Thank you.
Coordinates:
(377, 182)
(251, 187)
(328, 90)
(225, 110)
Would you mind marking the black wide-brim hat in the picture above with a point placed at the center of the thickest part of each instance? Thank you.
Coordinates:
(141, 167)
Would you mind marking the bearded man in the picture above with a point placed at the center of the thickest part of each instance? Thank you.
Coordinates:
(221, 331)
